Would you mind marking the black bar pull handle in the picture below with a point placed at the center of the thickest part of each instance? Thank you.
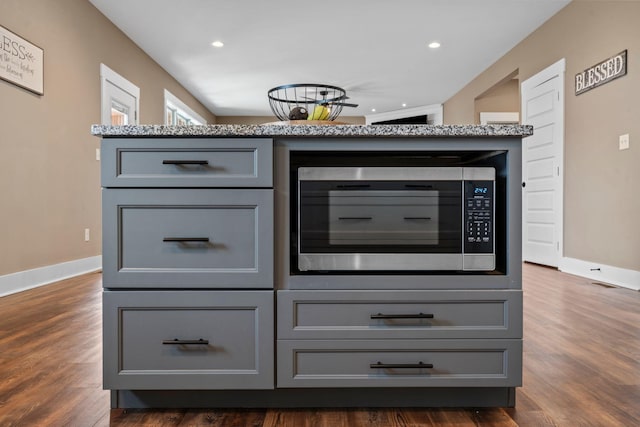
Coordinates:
(418, 365)
(176, 341)
(354, 185)
(185, 162)
(365, 218)
(186, 239)
(425, 218)
(402, 316)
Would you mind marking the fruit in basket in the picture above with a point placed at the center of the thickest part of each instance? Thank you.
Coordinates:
(319, 113)
(298, 113)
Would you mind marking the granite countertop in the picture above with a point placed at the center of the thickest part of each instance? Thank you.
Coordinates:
(313, 130)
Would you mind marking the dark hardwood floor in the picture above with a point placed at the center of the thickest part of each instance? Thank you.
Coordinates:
(581, 365)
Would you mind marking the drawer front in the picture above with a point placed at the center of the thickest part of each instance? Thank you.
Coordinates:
(141, 162)
(399, 363)
(187, 238)
(399, 314)
(188, 340)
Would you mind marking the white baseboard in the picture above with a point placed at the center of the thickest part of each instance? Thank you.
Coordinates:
(601, 273)
(24, 280)
(28, 279)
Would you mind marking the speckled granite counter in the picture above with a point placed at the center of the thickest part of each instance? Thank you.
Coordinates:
(313, 131)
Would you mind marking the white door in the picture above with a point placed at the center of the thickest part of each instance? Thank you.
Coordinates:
(120, 99)
(542, 166)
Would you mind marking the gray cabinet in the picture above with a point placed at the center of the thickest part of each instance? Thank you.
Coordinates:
(399, 363)
(399, 338)
(188, 238)
(189, 304)
(182, 162)
(399, 314)
(188, 264)
(188, 340)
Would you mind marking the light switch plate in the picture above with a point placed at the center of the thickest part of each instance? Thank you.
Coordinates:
(623, 142)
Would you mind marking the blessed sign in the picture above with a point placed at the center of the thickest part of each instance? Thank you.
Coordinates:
(21, 62)
(602, 73)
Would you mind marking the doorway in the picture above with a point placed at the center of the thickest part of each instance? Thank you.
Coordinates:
(429, 114)
(120, 99)
(543, 166)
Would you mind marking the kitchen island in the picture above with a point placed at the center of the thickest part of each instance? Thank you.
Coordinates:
(208, 304)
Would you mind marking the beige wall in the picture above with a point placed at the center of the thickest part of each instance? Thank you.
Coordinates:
(602, 206)
(258, 120)
(503, 98)
(49, 179)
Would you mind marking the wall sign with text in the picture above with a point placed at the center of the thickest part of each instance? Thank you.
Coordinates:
(602, 73)
(21, 62)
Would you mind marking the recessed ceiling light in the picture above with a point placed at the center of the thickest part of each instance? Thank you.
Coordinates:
(217, 43)
(404, 105)
(434, 45)
(373, 110)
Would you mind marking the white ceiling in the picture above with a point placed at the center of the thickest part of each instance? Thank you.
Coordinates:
(375, 49)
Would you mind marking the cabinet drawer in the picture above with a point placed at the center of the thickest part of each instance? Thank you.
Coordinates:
(187, 238)
(399, 314)
(141, 162)
(399, 363)
(224, 340)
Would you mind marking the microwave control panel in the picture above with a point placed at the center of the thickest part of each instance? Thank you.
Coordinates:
(478, 217)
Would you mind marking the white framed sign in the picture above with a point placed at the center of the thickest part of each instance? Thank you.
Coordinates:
(21, 62)
(601, 73)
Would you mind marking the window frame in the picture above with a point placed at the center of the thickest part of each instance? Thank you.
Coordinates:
(179, 109)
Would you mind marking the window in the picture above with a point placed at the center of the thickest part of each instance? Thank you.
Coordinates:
(120, 99)
(119, 113)
(177, 112)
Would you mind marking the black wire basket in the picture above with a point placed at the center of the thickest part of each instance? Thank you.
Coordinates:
(307, 101)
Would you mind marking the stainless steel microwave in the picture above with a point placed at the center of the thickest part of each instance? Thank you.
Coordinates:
(395, 219)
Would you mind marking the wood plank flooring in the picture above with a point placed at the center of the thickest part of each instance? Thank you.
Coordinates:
(581, 365)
